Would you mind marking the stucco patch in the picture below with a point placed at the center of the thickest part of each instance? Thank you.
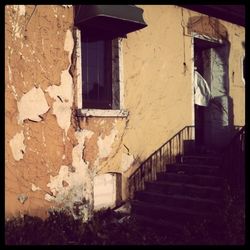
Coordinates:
(78, 191)
(105, 144)
(63, 94)
(63, 97)
(17, 146)
(34, 188)
(32, 105)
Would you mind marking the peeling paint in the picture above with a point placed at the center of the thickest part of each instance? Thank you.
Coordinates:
(17, 146)
(34, 188)
(63, 94)
(79, 182)
(31, 105)
(105, 144)
(69, 43)
(69, 161)
(126, 162)
(62, 109)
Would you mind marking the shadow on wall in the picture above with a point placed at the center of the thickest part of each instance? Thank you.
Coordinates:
(220, 117)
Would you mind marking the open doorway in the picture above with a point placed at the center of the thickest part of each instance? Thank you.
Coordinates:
(212, 117)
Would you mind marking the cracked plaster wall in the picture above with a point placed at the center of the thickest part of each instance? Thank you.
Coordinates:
(63, 154)
(39, 138)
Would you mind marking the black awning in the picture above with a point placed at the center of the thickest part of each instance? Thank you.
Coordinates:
(116, 20)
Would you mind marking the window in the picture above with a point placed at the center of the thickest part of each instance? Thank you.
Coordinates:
(100, 72)
(98, 44)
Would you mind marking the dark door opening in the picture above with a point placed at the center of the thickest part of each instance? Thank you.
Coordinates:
(211, 116)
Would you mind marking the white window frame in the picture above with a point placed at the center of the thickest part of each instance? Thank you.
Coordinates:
(98, 112)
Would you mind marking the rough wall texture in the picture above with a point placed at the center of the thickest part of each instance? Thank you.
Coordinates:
(52, 156)
(40, 139)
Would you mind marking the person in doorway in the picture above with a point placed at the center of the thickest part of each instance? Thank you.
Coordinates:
(202, 96)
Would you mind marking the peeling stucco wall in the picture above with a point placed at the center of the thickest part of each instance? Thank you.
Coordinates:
(17, 146)
(54, 158)
(32, 105)
(40, 138)
(72, 186)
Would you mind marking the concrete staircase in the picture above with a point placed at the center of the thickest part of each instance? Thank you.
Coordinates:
(190, 191)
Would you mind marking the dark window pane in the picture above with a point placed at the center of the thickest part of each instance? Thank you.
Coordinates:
(96, 72)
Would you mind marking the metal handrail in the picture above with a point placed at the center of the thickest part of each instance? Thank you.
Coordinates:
(157, 161)
(233, 162)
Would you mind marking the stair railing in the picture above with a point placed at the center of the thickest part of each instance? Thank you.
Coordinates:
(167, 154)
(233, 163)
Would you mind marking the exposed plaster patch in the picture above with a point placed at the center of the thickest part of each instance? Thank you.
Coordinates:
(126, 162)
(69, 43)
(105, 144)
(17, 146)
(63, 97)
(74, 188)
(34, 188)
(63, 94)
(77, 151)
(31, 105)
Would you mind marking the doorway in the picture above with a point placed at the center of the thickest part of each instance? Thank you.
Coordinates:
(212, 119)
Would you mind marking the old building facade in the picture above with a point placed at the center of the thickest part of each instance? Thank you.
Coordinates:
(61, 152)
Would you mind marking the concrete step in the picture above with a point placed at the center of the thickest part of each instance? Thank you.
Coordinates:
(194, 203)
(170, 213)
(186, 168)
(201, 159)
(167, 187)
(203, 180)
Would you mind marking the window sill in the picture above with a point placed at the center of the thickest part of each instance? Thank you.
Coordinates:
(102, 113)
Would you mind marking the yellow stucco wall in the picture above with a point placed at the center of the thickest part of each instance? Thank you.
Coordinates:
(51, 154)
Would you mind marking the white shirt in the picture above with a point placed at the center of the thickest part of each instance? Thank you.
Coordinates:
(202, 93)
